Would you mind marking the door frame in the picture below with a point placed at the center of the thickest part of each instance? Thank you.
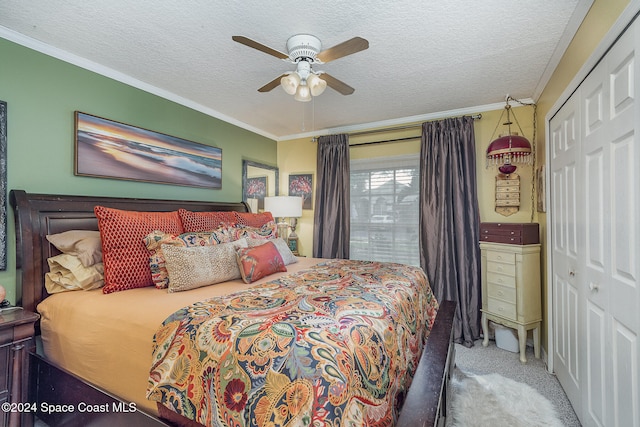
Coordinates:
(624, 20)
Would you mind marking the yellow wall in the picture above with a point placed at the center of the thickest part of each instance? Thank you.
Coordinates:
(300, 155)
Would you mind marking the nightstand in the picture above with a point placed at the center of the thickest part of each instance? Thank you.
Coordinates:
(17, 329)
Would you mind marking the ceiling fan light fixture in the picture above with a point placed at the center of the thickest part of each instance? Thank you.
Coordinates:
(305, 50)
(303, 94)
(290, 83)
(316, 84)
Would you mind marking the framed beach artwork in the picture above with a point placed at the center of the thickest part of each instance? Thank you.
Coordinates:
(302, 185)
(109, 149)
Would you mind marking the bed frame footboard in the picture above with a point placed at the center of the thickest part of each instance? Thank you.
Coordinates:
(426, 402)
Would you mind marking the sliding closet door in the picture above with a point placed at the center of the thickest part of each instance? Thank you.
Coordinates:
(595, 181)
(565, 129)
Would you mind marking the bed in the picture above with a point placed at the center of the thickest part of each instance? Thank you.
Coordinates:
(38, 215)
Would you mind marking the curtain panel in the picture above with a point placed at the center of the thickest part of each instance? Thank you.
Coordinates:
(331, 231)
(450, 220)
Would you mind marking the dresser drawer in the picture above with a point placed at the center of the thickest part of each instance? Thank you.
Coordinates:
(502, 308)
(504, 257)
(502, 293)
(501, 268)
(501, 279)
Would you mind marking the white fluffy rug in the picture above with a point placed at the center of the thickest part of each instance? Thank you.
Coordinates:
(495, 401)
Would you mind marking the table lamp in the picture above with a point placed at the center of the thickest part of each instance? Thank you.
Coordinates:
(285, 207)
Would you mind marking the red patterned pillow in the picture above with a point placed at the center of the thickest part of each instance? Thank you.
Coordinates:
(205, 221)
(157, 263)
(125, 257)
(260, 261)
(253, 219)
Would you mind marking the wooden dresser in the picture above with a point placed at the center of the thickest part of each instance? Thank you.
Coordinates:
(511, 294)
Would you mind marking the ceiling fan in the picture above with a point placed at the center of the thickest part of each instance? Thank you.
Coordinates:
(305, 50)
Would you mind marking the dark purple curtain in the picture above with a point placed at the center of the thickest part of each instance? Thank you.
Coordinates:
(450, 220)
(331, 218)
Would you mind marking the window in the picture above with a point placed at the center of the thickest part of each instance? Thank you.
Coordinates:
(384, 209)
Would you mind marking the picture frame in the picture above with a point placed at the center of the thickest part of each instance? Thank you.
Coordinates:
(108, 149)
(3, 185)
(252, 170)
(257, 189)
(301, 184)
(540, 190)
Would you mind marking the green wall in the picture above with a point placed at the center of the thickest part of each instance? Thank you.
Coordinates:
(42, 94)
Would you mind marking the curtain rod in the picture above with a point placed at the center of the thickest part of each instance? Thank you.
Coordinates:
(384, 130)
(368, 132)
(409, 138)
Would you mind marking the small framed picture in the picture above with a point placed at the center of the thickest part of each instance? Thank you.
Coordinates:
(257, 189)
(540, 190)
(302, 185)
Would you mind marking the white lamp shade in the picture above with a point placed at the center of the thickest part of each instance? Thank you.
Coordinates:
(283, 206)
(290, 83)
(316, 85)
(303, 93)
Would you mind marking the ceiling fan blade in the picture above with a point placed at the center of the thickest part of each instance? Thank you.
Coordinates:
(349, 47)
(336, 84)
(259, 46)
(272, 84)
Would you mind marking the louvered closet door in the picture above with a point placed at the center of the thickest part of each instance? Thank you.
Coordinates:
(564, 146)
(596, 282)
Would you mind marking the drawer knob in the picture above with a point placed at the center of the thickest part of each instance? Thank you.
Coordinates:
(594, 287)
(572, 273)
(499, 257)
(500, 293)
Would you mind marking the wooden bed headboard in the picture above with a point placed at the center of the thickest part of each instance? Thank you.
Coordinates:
(37, 215)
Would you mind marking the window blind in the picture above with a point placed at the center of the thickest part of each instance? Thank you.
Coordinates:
(384, 209)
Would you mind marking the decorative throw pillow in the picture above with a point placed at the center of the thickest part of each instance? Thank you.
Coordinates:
(287, 256)
(67, 273)
(156, 239)
(197, 266)
(205, 221)
(85, 244)
(259, 261)
(125, 257)
(266, 231)
(253, 219)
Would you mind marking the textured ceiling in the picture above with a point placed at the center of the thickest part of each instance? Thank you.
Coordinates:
(425, 57)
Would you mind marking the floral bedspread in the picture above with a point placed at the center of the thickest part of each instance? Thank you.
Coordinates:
(333, 345)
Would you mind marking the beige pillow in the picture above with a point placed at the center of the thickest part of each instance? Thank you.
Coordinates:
(66, 273)
(85, 244)
(198, 266)
(287, 256)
